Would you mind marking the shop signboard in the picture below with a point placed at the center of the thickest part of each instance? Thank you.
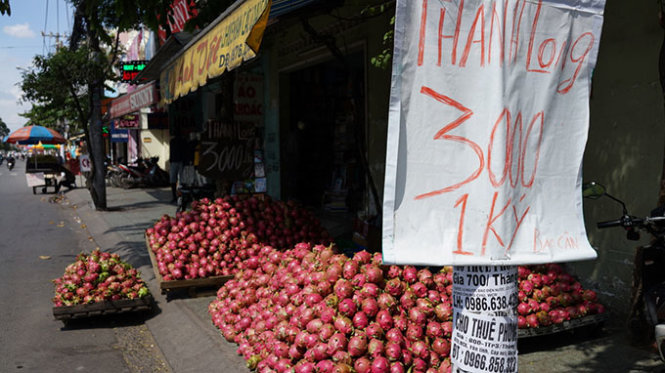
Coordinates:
(132, 102)
(127, 121)
(248, 100)
(130, 69)
(226, 154)
(488, 123)
(181, 12)
(224, 46)
(118, 134)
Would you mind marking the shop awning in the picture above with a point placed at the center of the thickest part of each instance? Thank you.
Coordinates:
(281, 7)
(76, 137)
(171, 47)
(233, 38)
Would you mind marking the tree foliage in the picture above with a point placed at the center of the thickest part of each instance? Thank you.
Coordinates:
(96, 18)
(56, 85)
(384, 58)
(5, 9)
(4, 130)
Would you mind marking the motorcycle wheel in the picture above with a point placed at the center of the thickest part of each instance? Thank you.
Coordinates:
(126, 182)
(115, 180)
(180, 207)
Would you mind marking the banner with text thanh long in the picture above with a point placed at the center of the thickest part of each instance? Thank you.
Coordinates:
(488, 123)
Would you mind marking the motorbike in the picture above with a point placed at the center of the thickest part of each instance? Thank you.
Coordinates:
(10, 163)
(647, 314)
(192, 192)
(192, 186)
(144, 173)
(113, 174)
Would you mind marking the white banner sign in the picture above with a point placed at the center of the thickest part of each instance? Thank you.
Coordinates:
(488, 122)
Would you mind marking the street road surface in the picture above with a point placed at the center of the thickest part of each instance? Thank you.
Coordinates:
(38, 239)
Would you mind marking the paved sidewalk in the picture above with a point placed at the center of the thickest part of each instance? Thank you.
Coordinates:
(190, 343)
(181, 327)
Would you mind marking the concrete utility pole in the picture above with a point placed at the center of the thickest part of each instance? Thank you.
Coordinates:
(94, 137)
(57, 36)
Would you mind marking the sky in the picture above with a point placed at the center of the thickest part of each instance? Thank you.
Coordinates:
(20, 41)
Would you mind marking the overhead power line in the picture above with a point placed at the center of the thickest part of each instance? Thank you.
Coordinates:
(17, 46)
(46, 47)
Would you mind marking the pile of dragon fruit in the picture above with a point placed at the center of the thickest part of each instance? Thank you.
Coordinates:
(214, 238)
(98, 277)
(548, 295)
(312, 310)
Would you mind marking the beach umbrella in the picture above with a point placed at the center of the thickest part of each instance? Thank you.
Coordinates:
(35, 135)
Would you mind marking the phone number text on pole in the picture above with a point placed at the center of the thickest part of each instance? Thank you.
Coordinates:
(491, 303)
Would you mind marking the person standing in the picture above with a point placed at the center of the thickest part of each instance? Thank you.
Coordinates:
(176, 163)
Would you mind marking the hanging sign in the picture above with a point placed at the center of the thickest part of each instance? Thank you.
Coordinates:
(234, 39)
(487, 127)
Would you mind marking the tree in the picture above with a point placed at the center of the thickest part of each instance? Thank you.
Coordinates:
(57, 91)
(5, 9)
(384, 58)
(68, 85)
(4, 130)
(92, 21)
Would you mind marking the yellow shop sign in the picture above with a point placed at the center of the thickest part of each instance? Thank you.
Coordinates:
(225, 45)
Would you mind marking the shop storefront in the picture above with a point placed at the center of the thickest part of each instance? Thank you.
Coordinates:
(199, 95)
(325, 118)
(298, 124)
(130, 112)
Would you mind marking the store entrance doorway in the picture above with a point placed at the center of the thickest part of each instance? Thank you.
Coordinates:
(323, 131)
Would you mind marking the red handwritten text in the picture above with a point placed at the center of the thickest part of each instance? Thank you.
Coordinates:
(501, 31)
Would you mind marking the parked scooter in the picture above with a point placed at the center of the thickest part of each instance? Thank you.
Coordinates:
(113, 174)
(648, 299)
(145, 173)
(191, 192)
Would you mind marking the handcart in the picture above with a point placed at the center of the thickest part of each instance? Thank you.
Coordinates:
(44, 171)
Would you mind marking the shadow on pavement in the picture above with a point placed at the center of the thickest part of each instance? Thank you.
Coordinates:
(135, 206)
(112, 320)
(550, 342)
(134, 253)
(590, 349)
(137, 228)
